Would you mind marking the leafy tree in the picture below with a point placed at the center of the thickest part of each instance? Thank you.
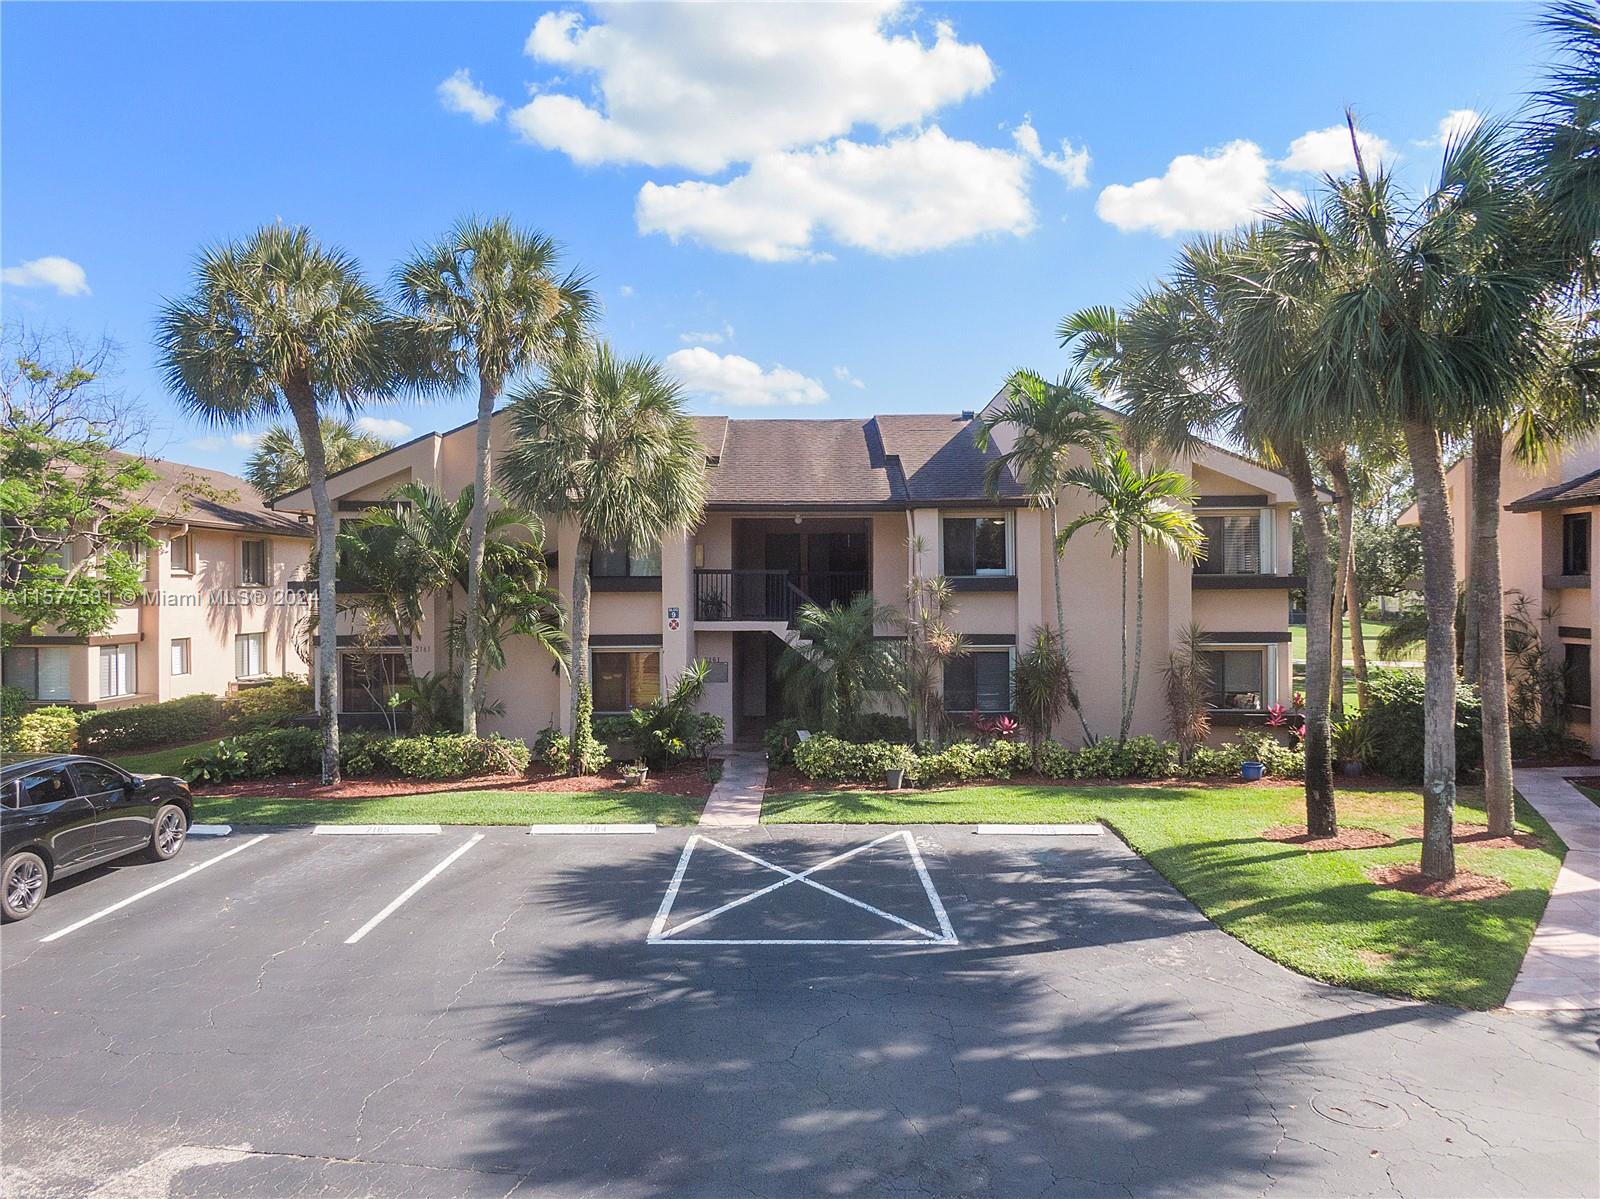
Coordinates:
(487, 304)
(1047, 425)
(279, 323)
(837, 662)
(1134, 508)
(277, 465)
(603, 441)
(1039, 688)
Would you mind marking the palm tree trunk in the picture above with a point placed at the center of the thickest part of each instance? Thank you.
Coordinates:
(1358, 638)
(1439, 602)
(1124, 642)
(1321, 813)
(580, 625)
(303, 404)
(488, 389)
(1339, 471)
(1138, 639)
(1488, 602)
(1073, 699)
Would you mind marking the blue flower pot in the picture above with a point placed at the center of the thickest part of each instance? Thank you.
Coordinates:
(1252, 772)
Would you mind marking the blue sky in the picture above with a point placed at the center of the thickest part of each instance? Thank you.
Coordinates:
(812, 212)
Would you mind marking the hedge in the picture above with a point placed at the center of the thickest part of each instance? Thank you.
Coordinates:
(293, 751)
(267, 705)
(44, 731)
(151, 726)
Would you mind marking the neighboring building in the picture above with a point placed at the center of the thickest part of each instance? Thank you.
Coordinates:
(1547, 542)
(825, 509)
(216, 612)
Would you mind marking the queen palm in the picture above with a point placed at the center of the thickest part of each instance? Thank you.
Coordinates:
(1049, 424)
(279, 323)
(277, 465)
(487, 303)
(1134, 508)
(603, 441)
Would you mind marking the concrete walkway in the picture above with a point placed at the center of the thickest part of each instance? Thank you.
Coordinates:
(1562, 969)
(736, 799)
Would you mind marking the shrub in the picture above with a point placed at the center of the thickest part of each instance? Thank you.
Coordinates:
(966, 760)
(780, 739)
(44, 731)
(361, 753)
(268, 705)
(587, 755)
(611, 729)
(830, 759)
(1282, 761)
(1394, 712)
(668, 730)
(452, 755)
(1141, 757)
(149, 726)
(13, 703)
(1220, 762)
(261, 754)
(554, 749)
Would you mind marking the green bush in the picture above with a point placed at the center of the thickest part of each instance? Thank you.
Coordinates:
(265, 753)
(1394, 714)
(151, 726)
(967, 760)
(452, 755)
(1220, 762)
(51, 730)
(1281, 761)
(361, 753)
(267, 705)
(834, 760)
(780, 738)
(13, 703)
(554, 749)
(1141, 757)
(877, 726)
(613, 728)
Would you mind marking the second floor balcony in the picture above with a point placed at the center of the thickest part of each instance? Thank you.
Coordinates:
(771, 595)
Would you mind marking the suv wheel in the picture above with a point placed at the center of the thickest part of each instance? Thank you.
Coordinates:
(167, 838)
(23, 882)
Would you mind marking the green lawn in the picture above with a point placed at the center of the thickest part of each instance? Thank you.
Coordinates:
(161, 761)
(459, 807)
(1313, 912)
(1591, 792)
(1373, 630)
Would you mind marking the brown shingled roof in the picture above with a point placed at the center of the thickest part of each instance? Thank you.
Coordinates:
(1581, 492)
(236, 504)
(940, 459)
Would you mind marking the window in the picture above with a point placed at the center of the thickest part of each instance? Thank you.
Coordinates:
(182, 550)
(978, 682)
(977, 545)
(139, 553)
(625, 679)
(253, 563)
(180, 655)
(1237, 679)
(48, 786)
(1575, 543)
(116, 670)
(43, 674)
(1577, 672)
(619, 562)
(249, 655)
(367, 680)
(95, 779)
(1233, 544)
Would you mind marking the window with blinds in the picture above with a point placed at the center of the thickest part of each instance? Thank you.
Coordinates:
(42, 674)
(116, 671)
(1238, 679)
(253, 563)
(250, 655)
(978, 681)
(1233, 544)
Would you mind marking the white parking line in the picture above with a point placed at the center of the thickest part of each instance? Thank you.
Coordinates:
(412, 890)
(376, 830)
(176, 878)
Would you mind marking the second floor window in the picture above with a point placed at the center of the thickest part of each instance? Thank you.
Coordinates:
(1233, 544)
(253, 563)
(180, 655)
(976, 545)
(623, 561)
(182, 555)
(1575, 543)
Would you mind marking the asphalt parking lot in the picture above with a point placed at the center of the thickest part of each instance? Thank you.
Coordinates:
(776, 1012)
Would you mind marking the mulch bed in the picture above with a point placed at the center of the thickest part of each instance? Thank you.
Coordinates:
(1348, 838)
(786, 780)
(1478, 835)
(1465, 885)
(688, 779)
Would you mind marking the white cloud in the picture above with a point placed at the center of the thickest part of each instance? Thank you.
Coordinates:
(383, 426)
(1454, 124)
(62, 274)
(705, 85)
(920, 192)
(1207, 192)
(711, 337)
(1070, 163)
(733, 380)
(844, 375)
(460, 94)
(245, 441)
(625, 290)
(1327, 151)
(207, 445)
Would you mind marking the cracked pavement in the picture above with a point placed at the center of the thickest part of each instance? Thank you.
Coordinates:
(508, 1031)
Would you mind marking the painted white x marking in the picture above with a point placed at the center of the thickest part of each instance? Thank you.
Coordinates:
(659, 934)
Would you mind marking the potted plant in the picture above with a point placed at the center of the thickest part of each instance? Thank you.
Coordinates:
(1352, 745)
(894, 777)
(635, 773)
(1252, 771)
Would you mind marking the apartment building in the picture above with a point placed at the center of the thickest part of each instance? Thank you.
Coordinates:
(827, 509)
(1547, 543)
(217, 610)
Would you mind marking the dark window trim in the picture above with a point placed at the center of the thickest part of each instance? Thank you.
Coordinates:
(1247, 500)
(624, 582)
(1570, 566)
(991, 640)
(982, 582)
(625, 641)
(1205, 582)
(1577, 632)
(1274, 638)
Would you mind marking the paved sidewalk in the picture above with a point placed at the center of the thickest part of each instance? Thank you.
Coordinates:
(736, 799)
(1562, 969)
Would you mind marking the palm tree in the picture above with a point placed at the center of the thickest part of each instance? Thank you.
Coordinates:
(603, 441)
(1047, 424)
(837, 662)
(1561, 138)
(1135, 508)
(515, 601)
(930, 645)
(275, 324)
(277, 465)
(486, 302)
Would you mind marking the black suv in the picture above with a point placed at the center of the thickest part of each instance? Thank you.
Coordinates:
(64, 813)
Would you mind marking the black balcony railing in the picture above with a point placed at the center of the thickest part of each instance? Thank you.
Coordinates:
(770, 594)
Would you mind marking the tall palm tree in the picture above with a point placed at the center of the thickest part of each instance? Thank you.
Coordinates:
(838, 662)
(487, 303)
(1561, 137)
(603, 441)
(279, 323)
(1048, 424)
(277, 465)
(1135, 508)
